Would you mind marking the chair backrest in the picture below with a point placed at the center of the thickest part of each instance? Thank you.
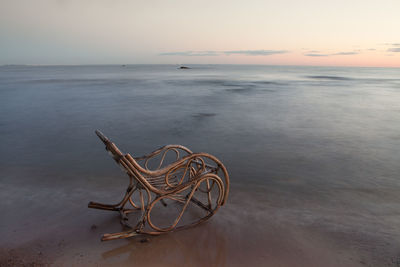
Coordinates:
(110, 147)
(126, 161)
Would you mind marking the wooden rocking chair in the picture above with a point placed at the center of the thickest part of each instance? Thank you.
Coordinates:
(193, 178)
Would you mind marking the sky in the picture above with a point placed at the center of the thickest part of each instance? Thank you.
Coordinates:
(279, 32)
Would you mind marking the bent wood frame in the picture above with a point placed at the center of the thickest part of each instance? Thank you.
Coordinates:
(178, 181)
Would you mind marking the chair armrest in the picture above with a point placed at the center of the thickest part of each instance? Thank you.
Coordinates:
(163, 151)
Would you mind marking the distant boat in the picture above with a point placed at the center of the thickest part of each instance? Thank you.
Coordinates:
(183, 68)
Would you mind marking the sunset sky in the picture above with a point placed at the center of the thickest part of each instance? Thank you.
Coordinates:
(284, 32)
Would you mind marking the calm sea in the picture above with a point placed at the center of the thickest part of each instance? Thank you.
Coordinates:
(320, 126)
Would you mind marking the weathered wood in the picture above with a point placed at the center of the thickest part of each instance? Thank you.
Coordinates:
(102, 137)
(186, 173)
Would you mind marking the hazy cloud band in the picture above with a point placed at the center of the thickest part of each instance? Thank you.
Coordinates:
(334, 54)
(230, 52)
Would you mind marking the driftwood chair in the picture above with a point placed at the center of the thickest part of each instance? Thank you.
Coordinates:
(197, 180)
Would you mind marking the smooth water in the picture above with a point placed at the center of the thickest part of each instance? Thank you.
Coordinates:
(320, 126)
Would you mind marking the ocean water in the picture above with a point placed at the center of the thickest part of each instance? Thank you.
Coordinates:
(319, 145)
(322, 126)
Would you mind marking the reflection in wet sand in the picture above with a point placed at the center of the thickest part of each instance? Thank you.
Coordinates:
(200, 247)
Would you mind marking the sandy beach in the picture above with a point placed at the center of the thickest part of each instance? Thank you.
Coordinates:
(259, 226)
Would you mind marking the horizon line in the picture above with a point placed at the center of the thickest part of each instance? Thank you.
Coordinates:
(178, 64)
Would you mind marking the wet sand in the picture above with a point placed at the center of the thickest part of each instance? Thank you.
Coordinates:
(259, 226)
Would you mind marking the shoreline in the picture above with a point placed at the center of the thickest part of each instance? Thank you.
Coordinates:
(253, 228)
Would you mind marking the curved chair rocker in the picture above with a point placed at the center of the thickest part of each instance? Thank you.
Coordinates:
(180, 182)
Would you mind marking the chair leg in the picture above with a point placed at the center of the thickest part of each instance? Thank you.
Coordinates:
(100, 206)
(133, 230)
(114, 207)
(200, 204)
(120, 235)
